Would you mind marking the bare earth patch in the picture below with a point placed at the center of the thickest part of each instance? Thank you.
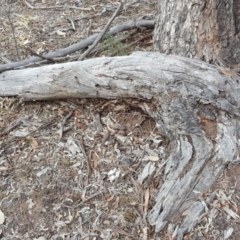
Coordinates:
(87, 169)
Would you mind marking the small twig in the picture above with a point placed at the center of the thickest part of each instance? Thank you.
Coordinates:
(55, 7)
(39, 55)
(72, 23)
(61, 130)
(88, 17)
(44, 125)
(121, 231)
(131, 4)
(89, 198)
(56, 60)
(97, 121)
(134, 43)
(150, 179)
(6, 60)
(86, 157)
(139, 40)
(14, 139)
(89, 27)
(13, 125)
(13, 32)
(100, 36)
(104, 46)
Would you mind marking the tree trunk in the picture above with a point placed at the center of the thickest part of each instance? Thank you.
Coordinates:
(208, 30)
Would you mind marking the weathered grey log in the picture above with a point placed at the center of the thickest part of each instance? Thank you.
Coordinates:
(196, 108)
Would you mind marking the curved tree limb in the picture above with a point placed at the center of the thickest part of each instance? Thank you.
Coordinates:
(196, 108)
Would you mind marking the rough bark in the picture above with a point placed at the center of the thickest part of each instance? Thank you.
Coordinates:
(196, 108)
(202, 29)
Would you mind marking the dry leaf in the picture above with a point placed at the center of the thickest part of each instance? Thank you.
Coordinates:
(231, 213)
(228, 232)
(3, 169)
(60, 33)
(95, 160)
(151, 158)
(32, 142)
(119, 108)
(147, 194)
(109, 199)
(226, 71)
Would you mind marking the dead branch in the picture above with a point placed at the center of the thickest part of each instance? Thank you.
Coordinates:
(100, 36)
(195, 106)
(79, 46)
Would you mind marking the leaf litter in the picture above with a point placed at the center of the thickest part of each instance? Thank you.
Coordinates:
(75, 184)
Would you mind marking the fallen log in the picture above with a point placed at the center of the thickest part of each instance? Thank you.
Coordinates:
(195, 106)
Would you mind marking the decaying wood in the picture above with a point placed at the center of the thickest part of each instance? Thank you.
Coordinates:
(205, 30)
(196, 109)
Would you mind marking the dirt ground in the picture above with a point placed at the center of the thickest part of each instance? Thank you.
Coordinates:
(73, 169)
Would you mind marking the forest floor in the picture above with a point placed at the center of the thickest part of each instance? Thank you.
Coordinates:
(74, 169)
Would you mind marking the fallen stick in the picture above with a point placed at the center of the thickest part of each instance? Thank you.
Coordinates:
(100, 36)
(79, 46)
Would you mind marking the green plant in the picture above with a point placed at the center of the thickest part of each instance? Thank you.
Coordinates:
(113, 47)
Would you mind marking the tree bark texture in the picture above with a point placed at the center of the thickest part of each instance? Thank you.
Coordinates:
(204, 29)
(196, 108)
